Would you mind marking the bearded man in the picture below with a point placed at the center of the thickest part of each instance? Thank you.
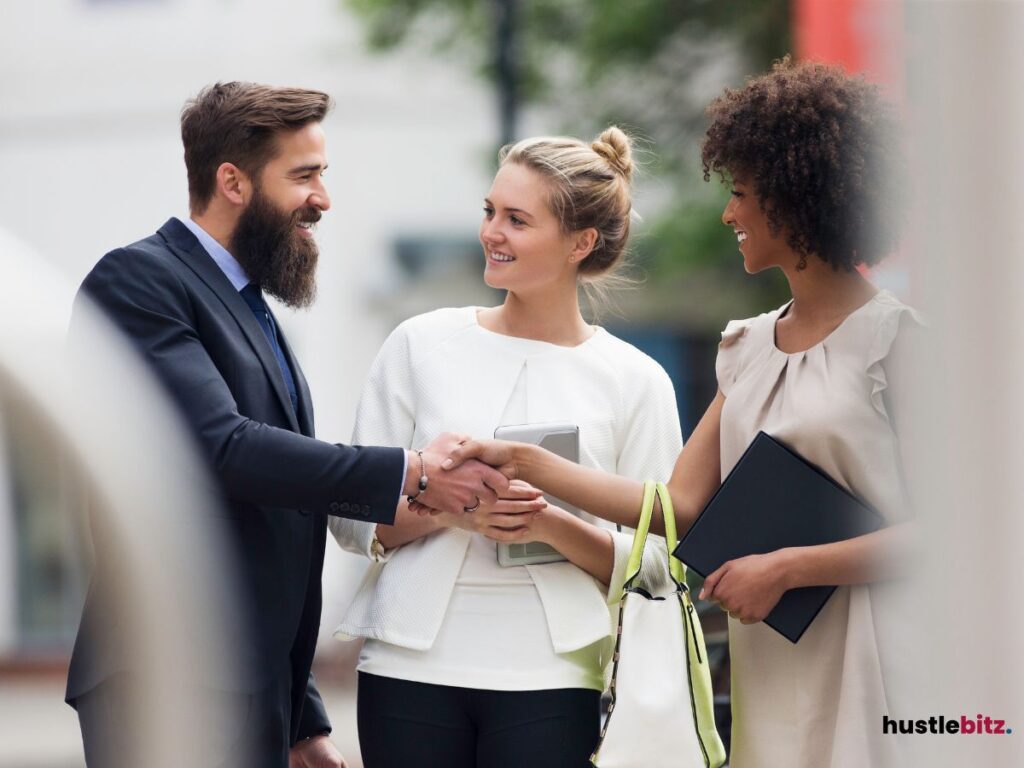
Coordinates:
(190, 300)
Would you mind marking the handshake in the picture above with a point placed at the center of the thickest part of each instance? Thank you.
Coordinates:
(456, 474)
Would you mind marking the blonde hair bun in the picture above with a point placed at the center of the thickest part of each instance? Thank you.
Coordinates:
(588, 186)
(617, 149)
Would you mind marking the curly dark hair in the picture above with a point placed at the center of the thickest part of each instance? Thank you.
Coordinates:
(822, 152)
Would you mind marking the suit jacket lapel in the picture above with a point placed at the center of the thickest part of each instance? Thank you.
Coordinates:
(185, 246)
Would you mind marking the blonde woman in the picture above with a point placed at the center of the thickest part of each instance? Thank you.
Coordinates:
(467, 663)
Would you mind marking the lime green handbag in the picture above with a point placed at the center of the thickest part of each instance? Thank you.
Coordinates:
(662, 709)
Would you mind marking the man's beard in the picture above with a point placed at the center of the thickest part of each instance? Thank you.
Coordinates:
(273, 254)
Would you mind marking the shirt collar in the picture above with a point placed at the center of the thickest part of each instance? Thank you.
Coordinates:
(227, 263)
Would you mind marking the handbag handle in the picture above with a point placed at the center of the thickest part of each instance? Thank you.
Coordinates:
(675, 568)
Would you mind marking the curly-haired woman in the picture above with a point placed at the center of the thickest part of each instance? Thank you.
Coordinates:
(808, 151)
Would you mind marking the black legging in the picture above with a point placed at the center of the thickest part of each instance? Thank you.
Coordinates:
(404, 724)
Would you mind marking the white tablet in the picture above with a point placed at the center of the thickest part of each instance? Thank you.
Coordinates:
(562, 440)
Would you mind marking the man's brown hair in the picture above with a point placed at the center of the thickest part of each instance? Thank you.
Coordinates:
(238, 123)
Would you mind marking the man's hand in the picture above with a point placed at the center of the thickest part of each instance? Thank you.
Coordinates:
(457, 489)
(446, 442)
(316, 752)
(748, 587)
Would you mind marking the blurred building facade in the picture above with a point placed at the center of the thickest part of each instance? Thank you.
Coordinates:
(91, 91)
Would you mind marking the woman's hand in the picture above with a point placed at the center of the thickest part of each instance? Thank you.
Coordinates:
(508, 519)
(500, 454)
(550, 525)
(749, 587)
(523, 516)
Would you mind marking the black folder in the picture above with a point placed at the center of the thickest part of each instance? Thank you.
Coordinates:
(774, 498)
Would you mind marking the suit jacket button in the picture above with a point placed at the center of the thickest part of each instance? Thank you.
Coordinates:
(344, 506)
(365, 511)
(334, 506)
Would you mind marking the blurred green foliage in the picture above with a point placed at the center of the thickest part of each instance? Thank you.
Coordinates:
(650, 66)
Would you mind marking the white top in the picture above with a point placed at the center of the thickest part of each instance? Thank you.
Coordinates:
(441, 606)
(494, 634)
(819, 702)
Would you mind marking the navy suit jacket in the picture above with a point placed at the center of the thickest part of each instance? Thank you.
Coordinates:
(278, 483)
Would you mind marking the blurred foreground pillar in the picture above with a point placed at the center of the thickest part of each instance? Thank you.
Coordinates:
(966, 111)
(168, 599)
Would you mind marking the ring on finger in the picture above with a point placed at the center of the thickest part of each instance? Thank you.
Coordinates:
(474, 508)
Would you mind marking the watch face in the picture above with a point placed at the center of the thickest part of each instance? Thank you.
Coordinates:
(376, 548)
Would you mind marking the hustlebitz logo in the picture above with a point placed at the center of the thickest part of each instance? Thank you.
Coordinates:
(963, 725)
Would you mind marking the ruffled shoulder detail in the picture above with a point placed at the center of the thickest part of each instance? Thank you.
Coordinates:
(730, 353)
(894, 320)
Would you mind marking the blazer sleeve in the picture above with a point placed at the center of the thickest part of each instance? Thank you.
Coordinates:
(255, 463)
(650, 445)
(385, 416)
(313, 720)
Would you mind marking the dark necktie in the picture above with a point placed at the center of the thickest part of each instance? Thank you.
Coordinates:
(254, 298)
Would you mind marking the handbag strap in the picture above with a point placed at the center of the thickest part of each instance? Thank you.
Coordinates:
(636, 554)
(675, 567)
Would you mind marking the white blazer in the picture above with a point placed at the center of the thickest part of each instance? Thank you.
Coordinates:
(442, 371)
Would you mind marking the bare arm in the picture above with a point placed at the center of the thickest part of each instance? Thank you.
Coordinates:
(749, 587)
(698, 471)
(530, 518)
(407, 528)
(617, 499)
(494, 519)
(410, 526)
(872, 557)
(584, 544)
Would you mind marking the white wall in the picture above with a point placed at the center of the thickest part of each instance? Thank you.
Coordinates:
(90, 157)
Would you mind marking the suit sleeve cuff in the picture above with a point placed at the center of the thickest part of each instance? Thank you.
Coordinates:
(314, 720)
(405, 472)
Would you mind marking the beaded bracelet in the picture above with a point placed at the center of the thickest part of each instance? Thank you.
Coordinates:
(423, 478)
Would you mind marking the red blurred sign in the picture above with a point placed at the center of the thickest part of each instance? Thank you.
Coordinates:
(862, 36)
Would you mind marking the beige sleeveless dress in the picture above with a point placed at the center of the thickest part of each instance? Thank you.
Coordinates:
(819, 703)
